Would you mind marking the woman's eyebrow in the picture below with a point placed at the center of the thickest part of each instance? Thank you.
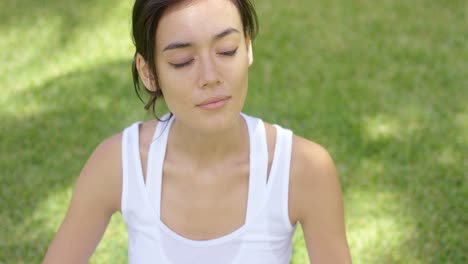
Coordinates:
(181, 45)
(177, 45)
(225, 33)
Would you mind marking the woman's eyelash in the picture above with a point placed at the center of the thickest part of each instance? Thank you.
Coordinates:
(230, 53)
(180, 65)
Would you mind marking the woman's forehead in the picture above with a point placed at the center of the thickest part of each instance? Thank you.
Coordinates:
(197, 20)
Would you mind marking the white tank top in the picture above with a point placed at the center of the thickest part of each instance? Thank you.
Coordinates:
(265, 237)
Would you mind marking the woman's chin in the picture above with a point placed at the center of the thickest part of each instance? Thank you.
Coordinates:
(213, 123)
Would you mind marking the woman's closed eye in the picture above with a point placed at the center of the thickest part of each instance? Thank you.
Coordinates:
(229, 53)
(180, 65)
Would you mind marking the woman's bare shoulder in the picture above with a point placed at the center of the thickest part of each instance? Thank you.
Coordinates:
(105, 163)
(108, 152)
(101, 175)
(312, 176)
(107, 155)
(309, 156)
(99, 184)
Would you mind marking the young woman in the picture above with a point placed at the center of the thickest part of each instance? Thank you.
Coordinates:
(206, 184)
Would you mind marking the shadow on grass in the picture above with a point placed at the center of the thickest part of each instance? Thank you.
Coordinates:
(43, 152)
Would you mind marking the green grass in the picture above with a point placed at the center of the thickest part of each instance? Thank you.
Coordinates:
(381, 84)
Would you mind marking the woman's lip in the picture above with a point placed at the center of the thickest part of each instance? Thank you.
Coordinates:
(214, 103)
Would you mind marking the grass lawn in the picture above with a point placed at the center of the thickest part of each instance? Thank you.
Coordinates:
(381, 84)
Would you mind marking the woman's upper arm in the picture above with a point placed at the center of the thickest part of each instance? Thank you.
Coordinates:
(316, 202)
(95, 198)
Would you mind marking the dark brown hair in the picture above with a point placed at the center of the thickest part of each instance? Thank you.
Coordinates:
(145, 20)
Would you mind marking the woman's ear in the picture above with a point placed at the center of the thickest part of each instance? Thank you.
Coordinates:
(248, 42)
(145, 73)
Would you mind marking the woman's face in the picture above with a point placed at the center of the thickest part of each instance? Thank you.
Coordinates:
(202, 60)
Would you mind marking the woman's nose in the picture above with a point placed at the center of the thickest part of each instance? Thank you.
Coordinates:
(209, 75)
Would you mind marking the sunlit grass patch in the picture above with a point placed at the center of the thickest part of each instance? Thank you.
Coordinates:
(377, 226)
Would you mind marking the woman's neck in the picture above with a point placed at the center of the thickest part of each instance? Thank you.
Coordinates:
(203, 150)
